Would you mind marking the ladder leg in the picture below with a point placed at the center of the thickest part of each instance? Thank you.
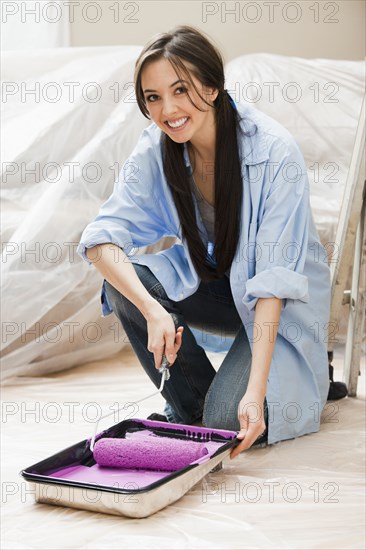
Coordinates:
(357, 308)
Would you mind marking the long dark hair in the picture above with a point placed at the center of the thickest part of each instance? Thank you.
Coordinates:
(187, 44)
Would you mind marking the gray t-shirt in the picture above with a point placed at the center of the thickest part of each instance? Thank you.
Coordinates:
(207, 212)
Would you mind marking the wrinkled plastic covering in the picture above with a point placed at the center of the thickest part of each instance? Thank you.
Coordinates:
(51, 298)
(79, 144)
(319, 102)
(298, 494)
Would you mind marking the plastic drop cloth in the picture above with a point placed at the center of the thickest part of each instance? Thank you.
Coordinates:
(306, 493)
(51, 302)
(319, 102)
(75, 131)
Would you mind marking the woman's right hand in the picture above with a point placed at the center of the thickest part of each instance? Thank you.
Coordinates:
(115, 267)
(162, 335)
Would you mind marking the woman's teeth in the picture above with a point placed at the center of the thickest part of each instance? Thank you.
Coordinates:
(177, 123)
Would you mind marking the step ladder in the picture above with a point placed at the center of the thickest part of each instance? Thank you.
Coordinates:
(350, 253)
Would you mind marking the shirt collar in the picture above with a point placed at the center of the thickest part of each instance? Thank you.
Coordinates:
(253, 147)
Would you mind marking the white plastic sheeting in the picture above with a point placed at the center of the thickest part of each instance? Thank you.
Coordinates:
(70, 117)
(74, 132)
(319, 102)
(305, 493)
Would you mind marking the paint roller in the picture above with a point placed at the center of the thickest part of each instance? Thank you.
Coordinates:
(156, 453)
(150, 453)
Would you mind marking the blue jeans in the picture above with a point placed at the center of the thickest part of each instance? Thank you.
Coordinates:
(195, 390)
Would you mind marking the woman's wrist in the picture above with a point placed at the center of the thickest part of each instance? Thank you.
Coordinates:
(257, 389)
(150, 308)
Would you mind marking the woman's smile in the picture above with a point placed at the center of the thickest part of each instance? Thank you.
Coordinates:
(167, 98)
(177, 124)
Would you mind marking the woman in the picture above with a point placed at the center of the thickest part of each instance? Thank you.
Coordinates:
(231, 185)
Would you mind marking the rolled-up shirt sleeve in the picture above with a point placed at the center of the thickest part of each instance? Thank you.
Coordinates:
(132, 216)
(282, 232)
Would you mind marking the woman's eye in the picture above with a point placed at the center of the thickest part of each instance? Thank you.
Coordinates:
(151, 98)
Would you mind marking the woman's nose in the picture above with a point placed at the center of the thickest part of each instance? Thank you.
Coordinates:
(169, 107)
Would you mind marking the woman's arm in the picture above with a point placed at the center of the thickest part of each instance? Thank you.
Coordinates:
(115, 267)
(250, 410)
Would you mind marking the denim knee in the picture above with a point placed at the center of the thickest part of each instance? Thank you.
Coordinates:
(150, 282)
(147, 278)
(216, 419)
(222, 416)
(217, 414)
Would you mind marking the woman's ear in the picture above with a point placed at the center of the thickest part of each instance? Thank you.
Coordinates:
(214, 93)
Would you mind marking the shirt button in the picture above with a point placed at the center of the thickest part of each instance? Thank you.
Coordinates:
(156, 269)
(181, 296)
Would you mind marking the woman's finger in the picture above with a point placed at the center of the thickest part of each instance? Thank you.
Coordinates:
(238, 449)
(158, 357)
(178, 339)
(253, 432)
(170, 351)
(171, 348)
(243, 423)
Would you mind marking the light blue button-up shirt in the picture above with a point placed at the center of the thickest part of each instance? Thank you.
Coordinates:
(279, 255)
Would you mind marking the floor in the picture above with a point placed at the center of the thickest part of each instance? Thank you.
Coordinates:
(300, 494)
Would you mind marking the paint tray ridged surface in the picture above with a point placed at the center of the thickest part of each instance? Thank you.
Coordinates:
(73, 478)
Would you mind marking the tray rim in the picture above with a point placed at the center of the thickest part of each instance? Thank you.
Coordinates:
(44, 479)
(147, 504)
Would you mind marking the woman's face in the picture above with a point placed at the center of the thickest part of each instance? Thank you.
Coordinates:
(170, 108)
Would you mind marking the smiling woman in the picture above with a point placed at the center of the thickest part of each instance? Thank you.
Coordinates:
(186, 114)
(210, 133)
(170, 106)
(230, 183)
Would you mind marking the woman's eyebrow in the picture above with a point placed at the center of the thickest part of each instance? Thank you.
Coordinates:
(174, 83)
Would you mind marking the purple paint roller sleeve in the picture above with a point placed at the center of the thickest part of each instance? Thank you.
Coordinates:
(153, 453)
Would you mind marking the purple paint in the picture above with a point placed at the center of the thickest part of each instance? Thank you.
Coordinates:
(137, 479)
(110, 477)
(120, 477)
(150, 453)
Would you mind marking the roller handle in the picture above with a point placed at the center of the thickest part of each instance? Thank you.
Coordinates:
(165, 375)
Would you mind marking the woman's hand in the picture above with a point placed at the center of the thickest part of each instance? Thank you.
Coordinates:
(162, 336)
(251, 420)
(250, 409)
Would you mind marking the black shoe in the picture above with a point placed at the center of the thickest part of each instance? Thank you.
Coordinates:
(337, 390)
(158, 417)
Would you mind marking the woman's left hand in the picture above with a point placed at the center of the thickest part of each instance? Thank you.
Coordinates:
(251, 420)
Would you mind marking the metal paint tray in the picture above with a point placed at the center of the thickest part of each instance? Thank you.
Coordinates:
(72, 478)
